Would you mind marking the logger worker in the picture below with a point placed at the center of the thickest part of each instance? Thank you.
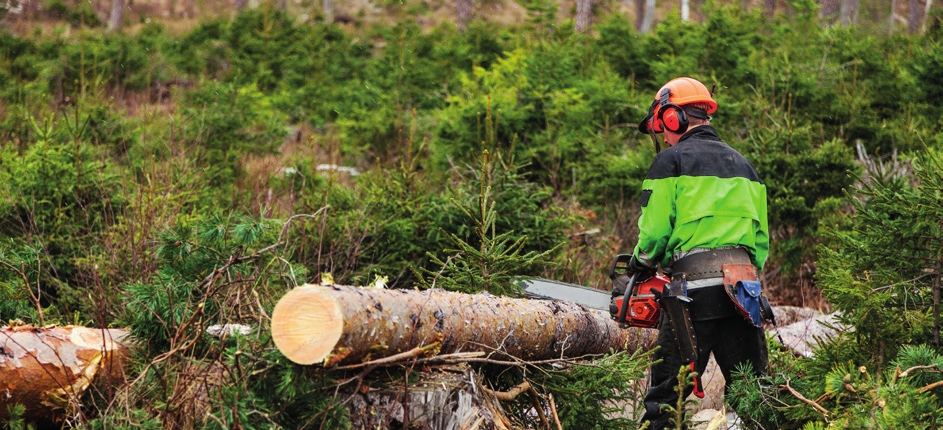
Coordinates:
(703, 206)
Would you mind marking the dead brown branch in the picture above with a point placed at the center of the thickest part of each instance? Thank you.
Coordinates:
(535, 400)
(553, 408)
(807, 401)
(403, 356)
(507, 396)
(931, 366)
(932, 386)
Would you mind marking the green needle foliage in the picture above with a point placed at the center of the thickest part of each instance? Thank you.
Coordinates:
(854, 396)
(679, 411)
(135, 164)
(497, 261)
(591, 394)
(885, 272)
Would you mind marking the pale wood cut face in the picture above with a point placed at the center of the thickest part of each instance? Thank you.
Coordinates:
(306, 324)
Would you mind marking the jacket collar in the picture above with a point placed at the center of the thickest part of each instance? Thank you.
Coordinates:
(704, 132)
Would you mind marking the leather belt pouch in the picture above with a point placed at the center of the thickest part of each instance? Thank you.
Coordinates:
(743, 288)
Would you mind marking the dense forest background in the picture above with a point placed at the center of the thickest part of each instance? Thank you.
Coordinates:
(141, 152)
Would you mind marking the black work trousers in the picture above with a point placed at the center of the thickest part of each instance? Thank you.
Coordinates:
(732, 340)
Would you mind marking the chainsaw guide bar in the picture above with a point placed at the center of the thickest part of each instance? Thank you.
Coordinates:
(560, 291)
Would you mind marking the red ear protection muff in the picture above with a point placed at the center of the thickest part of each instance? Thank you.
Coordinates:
(670, 115)
(665, 115)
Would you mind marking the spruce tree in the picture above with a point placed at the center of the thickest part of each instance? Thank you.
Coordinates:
(884, 274)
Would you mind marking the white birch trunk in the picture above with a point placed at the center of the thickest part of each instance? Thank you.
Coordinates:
(116, 20)
(685, 10)
(649, 16)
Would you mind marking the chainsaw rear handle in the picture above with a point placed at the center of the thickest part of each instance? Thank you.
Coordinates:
(620, 263)
(629, 289)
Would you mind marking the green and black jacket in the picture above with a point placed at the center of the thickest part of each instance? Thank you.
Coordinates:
(701, 193)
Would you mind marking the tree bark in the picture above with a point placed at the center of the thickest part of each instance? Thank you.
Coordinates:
(829, 12)
(116, 19)
(334, 325)
(463, 14)
(769, 8)
(47, 369)
(583, 14)
(926, 16)
(890, 24)
(639, 14)
(913, 16)
(327, 6)
(189, 8)
(847, 11)
(649, 16)
(685, 10)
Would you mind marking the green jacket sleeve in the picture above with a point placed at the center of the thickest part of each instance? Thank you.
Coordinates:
(657, 221)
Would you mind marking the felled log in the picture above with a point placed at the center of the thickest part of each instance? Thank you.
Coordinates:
(47, 369)
(337, 324)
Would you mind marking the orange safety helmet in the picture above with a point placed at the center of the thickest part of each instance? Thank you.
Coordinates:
(666, 113)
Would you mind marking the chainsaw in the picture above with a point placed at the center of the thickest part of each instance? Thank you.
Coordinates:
(638, 307)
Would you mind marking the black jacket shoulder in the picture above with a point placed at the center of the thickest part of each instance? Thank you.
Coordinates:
(700, 152)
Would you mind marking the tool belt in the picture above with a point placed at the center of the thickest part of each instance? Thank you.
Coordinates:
(709, 263)
(722, 282)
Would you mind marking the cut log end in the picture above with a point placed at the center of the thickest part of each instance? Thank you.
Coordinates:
(306, 324)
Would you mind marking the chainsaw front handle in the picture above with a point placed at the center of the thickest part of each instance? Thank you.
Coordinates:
(629, 287)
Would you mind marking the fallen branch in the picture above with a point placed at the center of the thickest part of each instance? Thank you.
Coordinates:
(457, 357)
(535, 400)
(507, 396)
(403, 356)
(553, 408)
(179, 341)
(932, 386)
(807, 401)
(294, 217)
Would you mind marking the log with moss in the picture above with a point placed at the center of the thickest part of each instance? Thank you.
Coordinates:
(340, 325)
(47, 369)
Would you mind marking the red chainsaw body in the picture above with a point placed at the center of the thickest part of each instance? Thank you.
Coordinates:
(643, 308)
